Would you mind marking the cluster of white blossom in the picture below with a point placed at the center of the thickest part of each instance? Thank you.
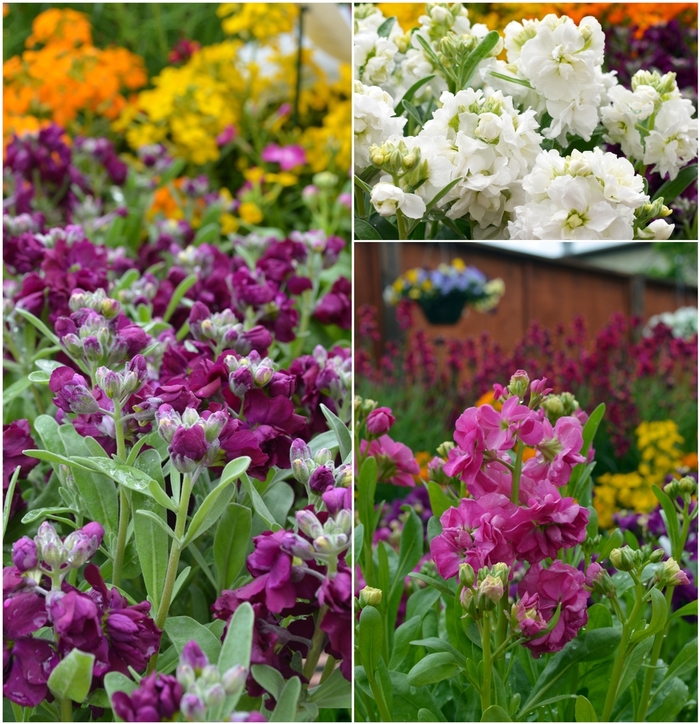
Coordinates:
(478, 149)
(652, 122)
(559, 68)
(587, 195)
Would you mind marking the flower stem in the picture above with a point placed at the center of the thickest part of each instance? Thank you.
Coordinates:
(124, 508)
(627, 628)
(66, 710)
(517, 469)
(401, 224)
(316, 645)
(488, 663)
(174, 560)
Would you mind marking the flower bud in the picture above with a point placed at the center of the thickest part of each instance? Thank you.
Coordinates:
(50, 547)
(656, 556)
(298, 547)
(169, 421)
(444, 448)
(193, 708)
(519, 383)
(300, 470)
(502, 571)
(233, 679)
(343, 520)
(215, 696)
(24, 554)
(370, 596)
(466, 575)
(671, 574)
(92, 349)
(335, 500)
(321, 479)
(379, 421)
(491, 588)
(110, 382)
(241, 381)
(299, 450)
(185, 675)
(309, 523)
(623, 558)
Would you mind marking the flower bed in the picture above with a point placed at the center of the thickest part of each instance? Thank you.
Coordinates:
(492, 594)
(177, 391)
(463, 133)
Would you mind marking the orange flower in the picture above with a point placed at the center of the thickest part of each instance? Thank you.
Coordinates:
(487, 399)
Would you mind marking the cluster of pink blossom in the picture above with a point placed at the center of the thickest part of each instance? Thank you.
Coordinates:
(516, 513)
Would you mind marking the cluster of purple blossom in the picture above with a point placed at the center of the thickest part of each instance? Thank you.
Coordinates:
(99, 621)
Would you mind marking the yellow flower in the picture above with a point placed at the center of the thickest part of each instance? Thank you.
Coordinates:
(459, 264)
(412, 276)
(283, 179)
(259, 21)
(250, 213)
(229, 223)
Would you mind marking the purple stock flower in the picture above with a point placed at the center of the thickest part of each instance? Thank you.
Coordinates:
(321, 479)
(24, 554)
(336, 307)
(72, 393)
(156, 699)
(247, 716)
(27, 662)
(16, 437)
(193, 656)
(188, 448)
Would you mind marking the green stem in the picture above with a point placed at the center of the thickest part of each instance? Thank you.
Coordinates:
(488, 663)
(621, 655)
(174, 560)
(360, 200)
(378, 692)
(517, 469)
(644, 699)
(501, 631)
(66, 710)
(124, 510)
(401, 224)
(316, 646)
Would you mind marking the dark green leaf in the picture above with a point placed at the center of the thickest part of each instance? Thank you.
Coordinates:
(495, 713)
(231, 543)
(671, 189)
(436, 199)
(363, 186)
(438, 644)
(36, 322)
(670, 517)
(479, 53)
(686, 660)
(614, 541)
(669, 701)
(334, 693)
(363, 230)
(421, 602)
(599, 616)
(432, 669)
(207, 234)
(439, 502)
(403, 636)
(182, 288)
(412, 111)
(286, 709)
(408, 95)
(511, 79)
(259, 504)
(370, 637)
(438, 583)
(181, 629)
(269, 678)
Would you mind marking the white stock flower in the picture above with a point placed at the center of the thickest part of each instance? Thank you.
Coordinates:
(374, 120)
(373, 57)
(588, 195)
(674, 140)
(658, 230)
(387, 198)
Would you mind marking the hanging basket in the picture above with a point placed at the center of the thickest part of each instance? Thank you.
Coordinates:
(444, 310)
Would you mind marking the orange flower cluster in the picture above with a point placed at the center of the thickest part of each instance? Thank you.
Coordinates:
(66, 76)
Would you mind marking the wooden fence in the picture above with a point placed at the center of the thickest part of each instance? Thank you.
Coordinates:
(552, 291)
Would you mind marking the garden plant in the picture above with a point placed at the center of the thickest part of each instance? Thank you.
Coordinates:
(177, 391)
(463, 131)
(492, 593)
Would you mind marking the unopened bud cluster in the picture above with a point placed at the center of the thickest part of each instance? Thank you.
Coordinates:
(204, 689)
(49, 554)
(370, 597)
(556, 406)
(317, 472)
(684, 488)
(193, 440)
(491, 584)
(119, 385)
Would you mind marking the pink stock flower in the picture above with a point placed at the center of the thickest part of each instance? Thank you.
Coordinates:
(560, 583)
(557, 452)
(286, 156)
(472, 533)
(547, 526)
(465, 459)
(379, 421)
(395, 462)
(528, 617)
(513, 421)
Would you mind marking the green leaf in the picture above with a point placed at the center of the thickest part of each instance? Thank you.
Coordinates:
(591, 427)
(408, 95)
(157, 520)
(209, 512)
(364, 230)
(286, 709)
(599, 616)
(181, 629)
(382, 679)
(17, 388)
(421, 602)
(614, 541)
(370, 638)
(412, 111)
(358, 535)
(96, 450)
(425, 715)
(495, 713)
(511, 79)
(671, 189)
(72, 677)
(207, 234)
(437, 644)
(172, 172)
(182, 288)
(115, 681)
(690, 609)
(41, 513)
(239, 639)
(584, 710)
(259, 504)
(439, 502)
(130, 477)
(334, 693)
(430, 52)
(326, 440)
(385, 28)
(437, 198)
(408, 700)
(270, 679)
(659, 611)
(476, 56)
(231, 542)
(36, 322)
(362, 184)
(367, 486)
(403, 636)
(341, 431)
(670, 517)
(433, 669)
(669, 701)
(126, 281)
(590, 646)
(435, 583)
(686, 660)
